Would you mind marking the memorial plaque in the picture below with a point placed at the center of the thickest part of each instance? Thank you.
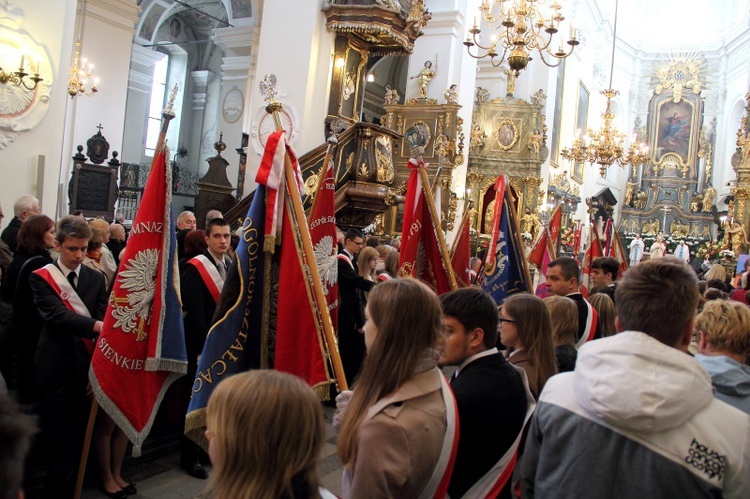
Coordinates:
(93, 190)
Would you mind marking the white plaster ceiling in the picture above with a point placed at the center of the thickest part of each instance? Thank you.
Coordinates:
(677, 24)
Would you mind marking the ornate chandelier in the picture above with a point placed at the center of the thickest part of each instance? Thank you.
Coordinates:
(520, 30)
(605, 145)
(80, 75)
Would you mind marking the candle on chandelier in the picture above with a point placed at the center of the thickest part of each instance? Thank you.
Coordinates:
(23, 60)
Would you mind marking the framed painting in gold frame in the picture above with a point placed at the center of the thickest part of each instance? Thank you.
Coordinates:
(582, 117)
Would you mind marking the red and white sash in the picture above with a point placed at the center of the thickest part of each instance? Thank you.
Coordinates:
(493, 482)
(345, 257)
(62, 288)
(437, 487)
(590, 330)
(210, 275)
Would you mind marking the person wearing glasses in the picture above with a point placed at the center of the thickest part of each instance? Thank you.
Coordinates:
(351, 311)
(526, 332)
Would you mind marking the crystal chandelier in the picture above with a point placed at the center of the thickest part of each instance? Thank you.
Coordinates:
(80, 75)
(605, 146)
(520, 30)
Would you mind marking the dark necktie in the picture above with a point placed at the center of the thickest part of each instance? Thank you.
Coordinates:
(455, 375)
(72, 279)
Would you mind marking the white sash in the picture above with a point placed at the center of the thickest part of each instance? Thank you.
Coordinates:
(210, 274)
(345, 258)
(61, 286)
(495, 479)
(450, 444)
(590, 329)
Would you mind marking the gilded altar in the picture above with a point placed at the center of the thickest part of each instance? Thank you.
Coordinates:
(508, 136)
(672, 194)
(436, 131)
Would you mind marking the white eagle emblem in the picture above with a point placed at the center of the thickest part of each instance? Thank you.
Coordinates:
(327, 264)
(138, 278)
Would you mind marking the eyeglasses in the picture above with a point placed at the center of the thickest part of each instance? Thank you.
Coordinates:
(503, 319)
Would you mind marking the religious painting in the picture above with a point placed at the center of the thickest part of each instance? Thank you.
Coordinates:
(582, 119)
(506, 135)
(148, 27)
(673, 128)
(417, 135)
(557, 116)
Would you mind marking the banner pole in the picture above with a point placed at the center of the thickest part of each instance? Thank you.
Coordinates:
(85, 449)
(464, 220)
(299, 213)
(438, 230)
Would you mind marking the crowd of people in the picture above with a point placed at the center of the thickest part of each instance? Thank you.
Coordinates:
(641, 388)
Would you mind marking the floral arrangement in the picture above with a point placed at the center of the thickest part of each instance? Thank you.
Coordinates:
(727, 254)
(712, 249)
(567, 237)
(526, 236)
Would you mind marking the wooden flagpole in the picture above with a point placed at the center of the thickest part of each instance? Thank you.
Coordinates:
(438, 230)
(517, 235)
(299, 213)
(464, 220)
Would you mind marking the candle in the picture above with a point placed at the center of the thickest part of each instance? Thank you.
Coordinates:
(38, 63)
(23, 60)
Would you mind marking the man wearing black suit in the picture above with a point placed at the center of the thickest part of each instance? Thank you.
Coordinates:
(351, 316)
(62, 358)
(199, 299)
(489, 392)
(564, 279)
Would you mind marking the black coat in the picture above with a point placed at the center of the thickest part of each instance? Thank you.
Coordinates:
(491, 407)
(27, 324)
(61, 357)
(351, 311)
(198, 306)
(583, 315)
(10, 234)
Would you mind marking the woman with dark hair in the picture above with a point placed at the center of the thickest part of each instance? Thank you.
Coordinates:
(401, 417)
(195, 244)
(526, 330)
(35, 238)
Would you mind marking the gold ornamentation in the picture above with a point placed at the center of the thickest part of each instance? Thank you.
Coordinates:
(363, 171)
(350, 161)
(383, 159)
(506, 135)
(678, 74)
(420, 102)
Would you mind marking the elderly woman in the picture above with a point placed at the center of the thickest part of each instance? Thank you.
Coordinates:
(723, 330)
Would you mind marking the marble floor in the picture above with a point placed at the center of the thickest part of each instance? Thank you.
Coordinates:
(164, 479)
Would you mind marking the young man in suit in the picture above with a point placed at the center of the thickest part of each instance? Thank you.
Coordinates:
(489, 392)
(71, 299)
(201, 285)
(351, 311)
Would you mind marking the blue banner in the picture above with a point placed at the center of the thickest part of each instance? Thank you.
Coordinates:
(509, 275)
(233, 342)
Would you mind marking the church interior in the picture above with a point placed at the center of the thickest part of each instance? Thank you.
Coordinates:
(636, 112)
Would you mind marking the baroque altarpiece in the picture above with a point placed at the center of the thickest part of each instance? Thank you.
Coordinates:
(672, 195)
(508, 136)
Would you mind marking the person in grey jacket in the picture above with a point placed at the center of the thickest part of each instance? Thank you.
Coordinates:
(723, 329)
(637, 417)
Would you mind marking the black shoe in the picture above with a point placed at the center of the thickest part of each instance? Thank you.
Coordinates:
(120, 494)
(196, 470)
(130, 489)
